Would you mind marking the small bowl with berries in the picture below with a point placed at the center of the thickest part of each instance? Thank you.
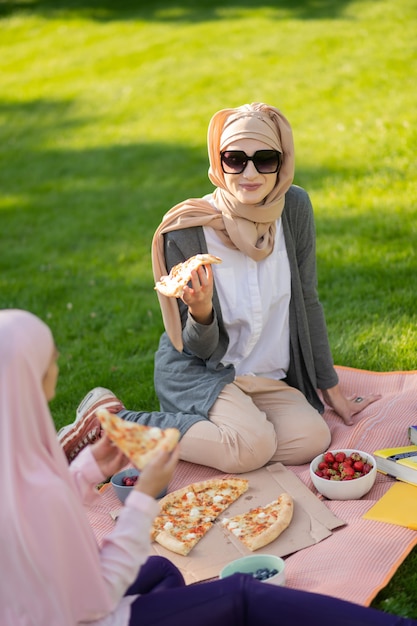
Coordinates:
(343, 474)
(124, 481)
(267, 568)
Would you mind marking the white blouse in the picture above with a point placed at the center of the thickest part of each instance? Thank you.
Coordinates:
(254, 299)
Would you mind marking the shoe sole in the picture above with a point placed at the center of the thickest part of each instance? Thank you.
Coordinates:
(87, 430)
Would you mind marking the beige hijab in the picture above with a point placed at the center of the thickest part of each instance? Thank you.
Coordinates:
(249, 228)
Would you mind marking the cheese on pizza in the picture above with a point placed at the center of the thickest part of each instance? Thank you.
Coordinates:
(173, 285)
(138, 442)
(189, 513)
(263, 524)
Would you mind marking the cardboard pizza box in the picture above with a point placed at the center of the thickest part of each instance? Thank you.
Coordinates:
(312, 522)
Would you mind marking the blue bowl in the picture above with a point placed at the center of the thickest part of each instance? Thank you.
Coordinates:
(121, 490)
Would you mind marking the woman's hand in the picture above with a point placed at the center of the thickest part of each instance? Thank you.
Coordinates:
(108, 456)
(156, 474)
(346, 408)
(199, 296)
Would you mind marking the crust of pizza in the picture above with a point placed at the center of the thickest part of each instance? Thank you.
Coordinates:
(221, 483)
(138, 442)
(229, 483)
(172, 544)
(262, 525)
(173, 285)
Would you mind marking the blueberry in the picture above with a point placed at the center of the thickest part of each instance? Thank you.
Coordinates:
(264, 573)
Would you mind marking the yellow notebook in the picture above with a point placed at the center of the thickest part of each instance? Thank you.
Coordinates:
(397, 506)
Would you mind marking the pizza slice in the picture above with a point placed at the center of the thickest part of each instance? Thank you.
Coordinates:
(173, 285)
(263, 524)
(138, 442)
(189, 513)
(180, 537)
(173, 506)
(216, 494)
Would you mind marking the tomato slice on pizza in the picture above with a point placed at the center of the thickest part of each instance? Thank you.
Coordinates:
(173, 285)
(263, 524)
(138, 442)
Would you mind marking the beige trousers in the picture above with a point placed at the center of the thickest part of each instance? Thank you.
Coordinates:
(256, 421)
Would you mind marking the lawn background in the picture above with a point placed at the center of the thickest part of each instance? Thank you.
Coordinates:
(104, 107)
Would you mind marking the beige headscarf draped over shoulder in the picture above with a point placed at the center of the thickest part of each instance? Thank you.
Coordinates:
(249, 228)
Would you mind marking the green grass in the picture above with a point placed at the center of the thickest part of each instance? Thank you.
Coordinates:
(104, 109)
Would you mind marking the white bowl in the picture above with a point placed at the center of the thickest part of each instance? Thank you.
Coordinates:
(254, 562)
(344, 489)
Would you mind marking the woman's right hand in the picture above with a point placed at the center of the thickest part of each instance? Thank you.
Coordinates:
(155, 476)
(199, 297)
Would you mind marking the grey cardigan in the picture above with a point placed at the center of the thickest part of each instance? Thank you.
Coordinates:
(187, 383)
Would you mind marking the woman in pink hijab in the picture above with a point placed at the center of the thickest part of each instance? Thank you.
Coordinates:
(52, 571)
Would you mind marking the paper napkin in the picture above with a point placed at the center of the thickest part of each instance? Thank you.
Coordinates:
(397, 506)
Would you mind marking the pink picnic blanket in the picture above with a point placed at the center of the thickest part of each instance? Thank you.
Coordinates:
(360, 558)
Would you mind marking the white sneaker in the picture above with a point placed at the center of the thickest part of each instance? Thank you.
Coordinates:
(86, 428)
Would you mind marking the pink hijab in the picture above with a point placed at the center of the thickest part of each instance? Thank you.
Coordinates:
(250, 229)
(49, 558)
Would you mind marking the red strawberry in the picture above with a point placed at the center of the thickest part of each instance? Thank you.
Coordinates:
(328, 457)
(347, 471)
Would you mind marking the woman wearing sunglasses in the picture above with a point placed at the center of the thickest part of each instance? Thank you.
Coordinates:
(245, 348)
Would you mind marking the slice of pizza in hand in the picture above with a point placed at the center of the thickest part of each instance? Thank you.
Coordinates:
(138, 442)
(173, 285)
(263, 524)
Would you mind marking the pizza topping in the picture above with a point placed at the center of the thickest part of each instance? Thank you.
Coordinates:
(190, 536)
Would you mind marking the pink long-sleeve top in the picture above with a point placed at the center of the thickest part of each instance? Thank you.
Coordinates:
(126, 548)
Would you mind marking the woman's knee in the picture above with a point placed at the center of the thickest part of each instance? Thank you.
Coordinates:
(303, 446)
(229, 448)
(246, 455)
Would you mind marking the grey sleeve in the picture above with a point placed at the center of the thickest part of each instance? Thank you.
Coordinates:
(198, 339)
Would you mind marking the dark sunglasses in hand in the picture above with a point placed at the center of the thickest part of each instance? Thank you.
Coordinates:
(265, 161)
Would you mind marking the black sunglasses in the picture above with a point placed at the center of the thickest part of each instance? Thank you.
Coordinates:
(265, 161)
